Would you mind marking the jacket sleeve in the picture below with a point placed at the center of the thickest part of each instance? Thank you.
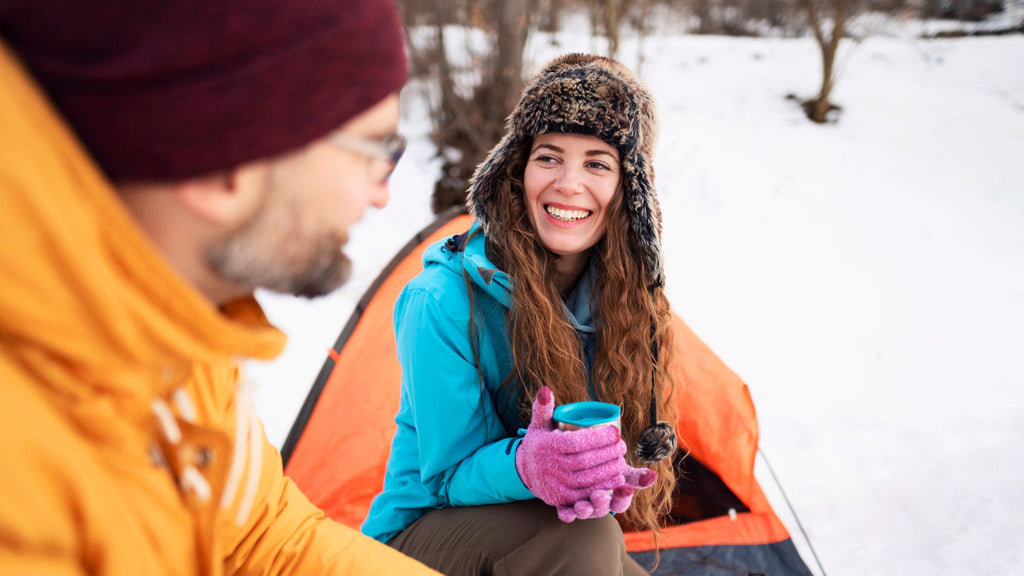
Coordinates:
(286, 534)
(39, 533)
(465, 455)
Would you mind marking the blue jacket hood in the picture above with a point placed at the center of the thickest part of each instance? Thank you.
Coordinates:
(473, 261)
(485, 274)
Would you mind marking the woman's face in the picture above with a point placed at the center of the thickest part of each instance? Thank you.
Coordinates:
(569, 181)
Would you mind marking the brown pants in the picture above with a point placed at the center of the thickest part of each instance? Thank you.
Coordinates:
(520, 538)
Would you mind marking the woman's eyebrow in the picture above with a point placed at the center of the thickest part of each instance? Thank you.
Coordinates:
(594, 152)
(548, 146)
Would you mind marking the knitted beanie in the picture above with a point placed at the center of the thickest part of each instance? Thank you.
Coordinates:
(163, 91)
(593, 96)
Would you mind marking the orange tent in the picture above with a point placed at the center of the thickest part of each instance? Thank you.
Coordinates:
(338, 447)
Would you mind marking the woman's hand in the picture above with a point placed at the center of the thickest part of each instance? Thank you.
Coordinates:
(601, 502)
(569, 468)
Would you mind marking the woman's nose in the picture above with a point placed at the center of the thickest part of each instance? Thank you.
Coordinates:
(570, 180)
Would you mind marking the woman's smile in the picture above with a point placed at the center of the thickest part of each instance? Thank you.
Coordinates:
(566, 216)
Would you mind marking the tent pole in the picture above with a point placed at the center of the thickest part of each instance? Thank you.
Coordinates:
(792, 510)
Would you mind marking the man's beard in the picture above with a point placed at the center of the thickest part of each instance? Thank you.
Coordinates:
(324, 273)
(272, 250)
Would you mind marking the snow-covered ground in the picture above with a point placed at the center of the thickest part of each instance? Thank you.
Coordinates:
(866, 279)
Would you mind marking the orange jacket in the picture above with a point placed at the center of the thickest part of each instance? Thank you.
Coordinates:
(127, 444)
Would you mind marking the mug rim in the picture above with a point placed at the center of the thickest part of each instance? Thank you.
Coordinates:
(587, 413)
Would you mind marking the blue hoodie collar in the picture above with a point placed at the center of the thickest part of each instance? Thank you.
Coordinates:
(579, 304)
(497, 283)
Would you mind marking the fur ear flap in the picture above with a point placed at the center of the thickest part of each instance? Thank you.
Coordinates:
(644, 216)
(484, 187)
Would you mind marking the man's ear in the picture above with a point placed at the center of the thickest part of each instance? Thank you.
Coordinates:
(223, 198)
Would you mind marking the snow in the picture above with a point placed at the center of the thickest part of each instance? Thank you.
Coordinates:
(865, 278)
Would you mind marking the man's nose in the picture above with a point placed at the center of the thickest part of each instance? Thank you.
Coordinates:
(380, 194)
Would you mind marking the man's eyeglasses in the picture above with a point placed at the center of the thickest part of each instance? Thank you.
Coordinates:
(384, 154)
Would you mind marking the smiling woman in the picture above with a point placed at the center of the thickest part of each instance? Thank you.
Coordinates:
(554, 294)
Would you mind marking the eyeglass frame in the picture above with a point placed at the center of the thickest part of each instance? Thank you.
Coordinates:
(388, 149)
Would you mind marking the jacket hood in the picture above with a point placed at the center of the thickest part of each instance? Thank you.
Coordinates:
(594, 96)
(87, 298)
(482, 272)
(473, 262)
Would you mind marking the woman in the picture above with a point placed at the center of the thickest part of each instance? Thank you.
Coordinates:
(554, 293)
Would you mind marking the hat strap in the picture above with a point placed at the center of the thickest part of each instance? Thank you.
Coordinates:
(654, 373)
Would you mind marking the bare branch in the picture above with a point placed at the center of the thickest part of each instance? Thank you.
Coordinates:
(812, 16)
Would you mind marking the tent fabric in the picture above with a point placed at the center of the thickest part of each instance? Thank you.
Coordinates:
(337, 450)
(338, 447)
(751, 560)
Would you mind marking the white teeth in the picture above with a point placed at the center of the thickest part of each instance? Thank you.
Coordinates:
(567, 215)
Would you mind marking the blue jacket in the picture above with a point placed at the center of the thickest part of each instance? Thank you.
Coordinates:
(451, 447)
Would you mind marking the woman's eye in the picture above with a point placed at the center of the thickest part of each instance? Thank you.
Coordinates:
(598, 166)
(545, 159)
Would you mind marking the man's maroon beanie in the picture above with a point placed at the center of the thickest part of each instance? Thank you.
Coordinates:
(166, 90)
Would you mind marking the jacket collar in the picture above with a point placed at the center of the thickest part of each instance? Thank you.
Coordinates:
(87, 298)
(579, 305)
(470, 257)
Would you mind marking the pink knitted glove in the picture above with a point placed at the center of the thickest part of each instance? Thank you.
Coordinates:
(636, 479)
(601, 502)
(563, 468)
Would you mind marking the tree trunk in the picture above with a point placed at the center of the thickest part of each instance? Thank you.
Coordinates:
(472, 125)
(962, 9)
(702, 9)
(444, 73)
(611, 26)
(512, 33)
(821, 104)
(643, 29)
(551, 19)
(829, 46)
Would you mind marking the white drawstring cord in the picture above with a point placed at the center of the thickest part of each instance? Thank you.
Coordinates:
(168, 425)
(184, 404)
(248, 441)
(194, 481)
(190, 479)
(252, 481)
(234, 478)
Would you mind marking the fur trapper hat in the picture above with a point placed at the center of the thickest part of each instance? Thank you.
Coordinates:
(594, 96)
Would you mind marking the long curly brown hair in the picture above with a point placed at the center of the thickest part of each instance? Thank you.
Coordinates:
(546, 349)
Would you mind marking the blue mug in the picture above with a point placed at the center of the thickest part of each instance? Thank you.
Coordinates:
(586, 415)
